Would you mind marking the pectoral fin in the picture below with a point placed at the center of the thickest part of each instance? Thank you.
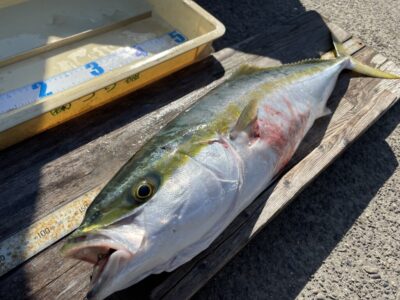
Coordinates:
(247, 120)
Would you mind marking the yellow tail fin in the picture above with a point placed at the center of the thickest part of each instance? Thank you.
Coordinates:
(358, 66)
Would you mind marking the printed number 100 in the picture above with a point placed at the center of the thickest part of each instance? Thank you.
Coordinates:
(42, 233)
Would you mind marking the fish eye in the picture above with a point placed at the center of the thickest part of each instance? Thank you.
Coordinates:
(143, 191)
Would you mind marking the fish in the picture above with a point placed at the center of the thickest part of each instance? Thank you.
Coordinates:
(178, 193)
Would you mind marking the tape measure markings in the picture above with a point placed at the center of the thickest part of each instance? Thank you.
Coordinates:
(29, 241)
(124, 56)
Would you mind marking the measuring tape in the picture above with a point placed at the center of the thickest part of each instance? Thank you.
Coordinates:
(26, 243)
(124, 56)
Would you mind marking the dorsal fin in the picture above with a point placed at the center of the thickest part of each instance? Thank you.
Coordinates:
(305, 61)
(247, 69)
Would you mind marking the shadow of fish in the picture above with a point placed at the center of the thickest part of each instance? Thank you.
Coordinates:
(184, 187)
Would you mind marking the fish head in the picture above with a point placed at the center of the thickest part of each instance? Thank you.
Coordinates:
(113, 233)
(127, 226)
(163, 207)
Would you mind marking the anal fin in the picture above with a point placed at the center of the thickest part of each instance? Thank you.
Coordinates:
(325, 112)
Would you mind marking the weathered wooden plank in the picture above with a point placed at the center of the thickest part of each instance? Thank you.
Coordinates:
(82, 153)
(64, 288)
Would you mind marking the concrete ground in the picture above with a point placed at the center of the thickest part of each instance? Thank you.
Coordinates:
(340, 239)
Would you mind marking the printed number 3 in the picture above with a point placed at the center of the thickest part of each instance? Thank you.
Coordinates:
(42, 86)
(96, 70)
(179, 38)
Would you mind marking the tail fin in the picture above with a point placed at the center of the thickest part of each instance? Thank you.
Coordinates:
(358, 66)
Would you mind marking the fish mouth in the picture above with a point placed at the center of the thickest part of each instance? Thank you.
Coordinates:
(107, 256)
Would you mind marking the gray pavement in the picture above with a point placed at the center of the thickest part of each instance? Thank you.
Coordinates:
(340, 239)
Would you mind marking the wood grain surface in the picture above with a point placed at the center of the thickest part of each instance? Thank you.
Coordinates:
(49, 170)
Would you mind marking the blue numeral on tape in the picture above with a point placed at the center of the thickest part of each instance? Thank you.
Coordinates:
(96, 69)
(42, 86)
(179, 38)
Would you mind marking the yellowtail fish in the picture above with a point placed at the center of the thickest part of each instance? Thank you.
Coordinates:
(187, 184)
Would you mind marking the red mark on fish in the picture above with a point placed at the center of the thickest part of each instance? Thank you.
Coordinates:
(283, 129)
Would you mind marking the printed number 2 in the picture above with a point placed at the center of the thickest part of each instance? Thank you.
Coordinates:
(179, 38)
(42, 86)
(96, 70)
